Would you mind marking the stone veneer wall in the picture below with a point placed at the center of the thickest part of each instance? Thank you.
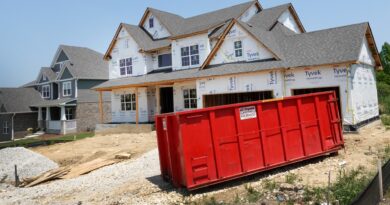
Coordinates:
(88, 115)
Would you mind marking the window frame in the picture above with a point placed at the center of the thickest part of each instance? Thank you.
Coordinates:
(64, 86)
(43, 91)
(158, 60)
(190, 98)
(128, 102)
(151, 22)
(238, 49)
(69, 113)
(127, 66)
(5, 127)
(188, 53)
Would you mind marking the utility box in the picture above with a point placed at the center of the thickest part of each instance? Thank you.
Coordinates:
(208, 146)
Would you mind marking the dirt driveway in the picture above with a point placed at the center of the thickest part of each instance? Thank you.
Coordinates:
(100, 146)
(137, 181)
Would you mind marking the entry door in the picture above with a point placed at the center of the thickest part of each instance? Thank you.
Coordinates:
(166, 99)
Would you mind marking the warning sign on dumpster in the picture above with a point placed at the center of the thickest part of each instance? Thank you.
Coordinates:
(248, 112)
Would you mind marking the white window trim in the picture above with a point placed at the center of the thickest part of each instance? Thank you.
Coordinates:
(189, 56)
(64, 85)
(242, 49)
(67, 113)
(119, 67)
(5, 127)
(131, 102)
(42, 91)
(190, 98)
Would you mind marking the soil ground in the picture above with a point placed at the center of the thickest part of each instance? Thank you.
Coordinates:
(100, 146)
(140, 183)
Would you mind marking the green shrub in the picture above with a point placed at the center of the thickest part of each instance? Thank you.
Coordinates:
(349, 184)
(269, 184)
(252, 194)
(385, 120)
(291, 178)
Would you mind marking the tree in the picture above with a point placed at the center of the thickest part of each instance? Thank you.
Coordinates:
(385, 57)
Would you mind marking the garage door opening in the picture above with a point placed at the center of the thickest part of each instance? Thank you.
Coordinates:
(317, 90)
(232, 98)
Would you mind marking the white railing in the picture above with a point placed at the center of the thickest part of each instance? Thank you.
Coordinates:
(70, 125)
(54, 125)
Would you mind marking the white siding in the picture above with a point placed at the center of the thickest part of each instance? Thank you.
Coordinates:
(305, 78)
(201, 40)
(129, 116)
(288, 21)
(158, 31)
(366, 54)
(252, 49)
(263, 81)
(178, 94)
(126, 47)
(363, 93)
(248, 14)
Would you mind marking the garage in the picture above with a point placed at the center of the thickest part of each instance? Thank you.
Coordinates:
(316, 90)
(232, 98)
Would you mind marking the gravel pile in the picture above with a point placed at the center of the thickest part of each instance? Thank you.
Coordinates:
(29, 163)
(135, 181)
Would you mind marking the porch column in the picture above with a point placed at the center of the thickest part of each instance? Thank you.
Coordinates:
(101, 107)
(63, 116)
(39, 113)
(158, 108)
(48, 117)
(136, 107)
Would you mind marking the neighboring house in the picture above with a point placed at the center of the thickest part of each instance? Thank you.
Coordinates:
(16, 115)
(169, 63)
(69, 104)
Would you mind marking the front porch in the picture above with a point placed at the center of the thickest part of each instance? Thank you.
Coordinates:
(58, 118)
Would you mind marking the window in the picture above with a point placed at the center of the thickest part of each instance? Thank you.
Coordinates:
(126, 66)
(190, 100)
(45, 91)
(5, 127)
(165, 60)
(67, 88)
(238, 48)
(128, 102)
(70, 113)
(190, 55)
(151, 22)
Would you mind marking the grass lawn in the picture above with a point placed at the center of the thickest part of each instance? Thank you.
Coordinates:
(36, 141)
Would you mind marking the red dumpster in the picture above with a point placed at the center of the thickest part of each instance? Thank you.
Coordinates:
(207, 146)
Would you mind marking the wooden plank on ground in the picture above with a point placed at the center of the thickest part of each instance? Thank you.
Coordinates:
(88, 167)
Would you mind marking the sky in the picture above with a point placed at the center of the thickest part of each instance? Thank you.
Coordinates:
(31, 31)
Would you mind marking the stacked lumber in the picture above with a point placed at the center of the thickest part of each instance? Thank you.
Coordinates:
(47, 176)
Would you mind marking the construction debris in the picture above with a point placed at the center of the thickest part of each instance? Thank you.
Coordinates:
(123, 156)
(68, 172)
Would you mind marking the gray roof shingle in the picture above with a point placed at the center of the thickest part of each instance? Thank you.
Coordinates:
(268, 17)
(335, 45)
(86, 63)
(143, 39)
(18, 99)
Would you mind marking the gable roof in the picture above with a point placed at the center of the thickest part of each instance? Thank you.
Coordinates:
(170, 21)
(209, 20)
(145, 42)
(18, 99)
(48, 72)
(85, 63)
(329, 46)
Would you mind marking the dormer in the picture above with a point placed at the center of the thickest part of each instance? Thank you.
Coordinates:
(153, 25)
(250, 12)
(59, 59)
(239, 44)
(290, 19)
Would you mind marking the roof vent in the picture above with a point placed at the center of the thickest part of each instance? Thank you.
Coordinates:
(250, 25)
